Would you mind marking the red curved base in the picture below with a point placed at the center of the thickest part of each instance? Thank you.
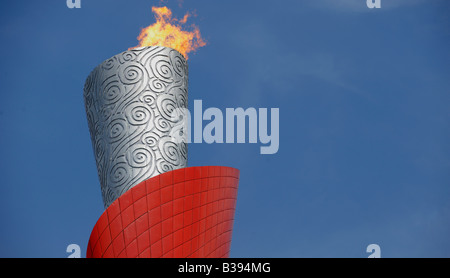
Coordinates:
(185, 213)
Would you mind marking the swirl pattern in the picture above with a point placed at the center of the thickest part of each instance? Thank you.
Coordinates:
(111, 92)
(138, 114)
(129, 101)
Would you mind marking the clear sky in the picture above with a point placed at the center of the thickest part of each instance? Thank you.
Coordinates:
(364, 97)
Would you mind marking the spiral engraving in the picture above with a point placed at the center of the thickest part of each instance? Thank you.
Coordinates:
(162, 125)
(157, 85)
(117, 130)
(170, 151)
(164, 166)
(162, 69)
(127, 56)
(150, 139)
(178, 63)
(149, 98)
(137, 114)
(118, 175)
(110, 63)
(139, 156)
(131, 73)
(130, 100)
(111, 92)
(166, 106)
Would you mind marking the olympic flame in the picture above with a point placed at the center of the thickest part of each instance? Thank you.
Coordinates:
(168, 32)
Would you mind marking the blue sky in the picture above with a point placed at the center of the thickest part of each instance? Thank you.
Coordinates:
(364, 100)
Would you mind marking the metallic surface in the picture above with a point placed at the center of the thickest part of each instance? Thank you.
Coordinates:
(129, 100)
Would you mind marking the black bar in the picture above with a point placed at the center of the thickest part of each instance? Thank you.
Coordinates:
(149, 268)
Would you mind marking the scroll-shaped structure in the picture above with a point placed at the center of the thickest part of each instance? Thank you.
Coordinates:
(130, 99)
(136, 105)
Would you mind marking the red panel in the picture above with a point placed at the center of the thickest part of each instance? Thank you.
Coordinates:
(183, 213)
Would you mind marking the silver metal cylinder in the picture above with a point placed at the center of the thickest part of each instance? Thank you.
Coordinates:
(129, 101)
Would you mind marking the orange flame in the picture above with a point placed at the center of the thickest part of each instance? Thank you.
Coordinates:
(167, 31)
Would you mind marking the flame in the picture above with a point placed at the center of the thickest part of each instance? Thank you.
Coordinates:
(168, 32)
